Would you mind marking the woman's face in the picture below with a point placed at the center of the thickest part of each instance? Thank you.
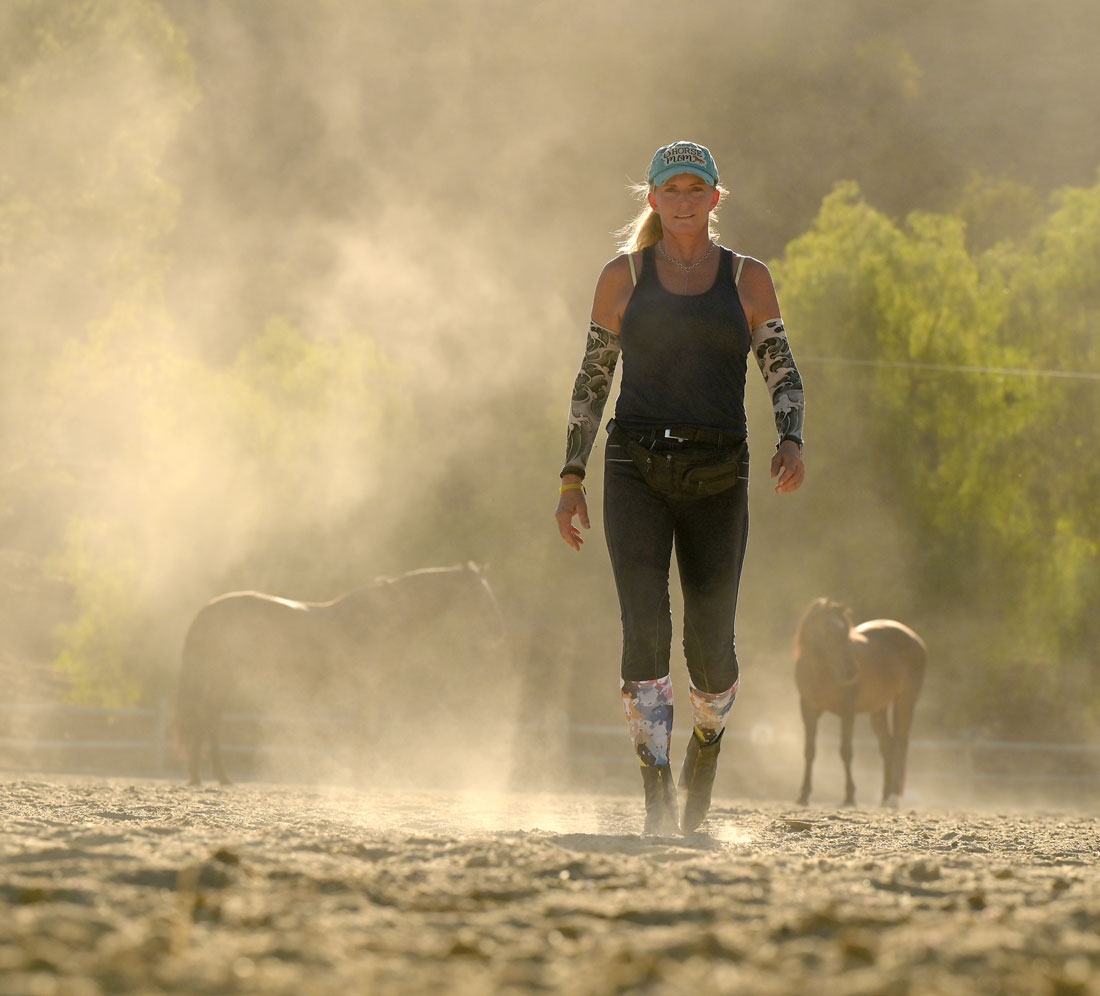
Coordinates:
(684, 203)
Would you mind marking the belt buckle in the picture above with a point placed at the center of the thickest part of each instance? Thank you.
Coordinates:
(679, 439)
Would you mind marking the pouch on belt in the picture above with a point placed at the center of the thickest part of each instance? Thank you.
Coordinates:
(689, 473)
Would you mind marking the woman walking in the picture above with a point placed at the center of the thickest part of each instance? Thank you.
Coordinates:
(684, 312)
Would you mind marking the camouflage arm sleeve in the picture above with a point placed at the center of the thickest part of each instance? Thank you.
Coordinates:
(590, 392)
(773, 355)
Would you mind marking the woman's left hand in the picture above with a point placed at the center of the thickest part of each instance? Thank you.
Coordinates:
(787, 466)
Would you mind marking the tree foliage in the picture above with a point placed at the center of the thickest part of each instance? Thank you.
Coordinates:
(970, 380)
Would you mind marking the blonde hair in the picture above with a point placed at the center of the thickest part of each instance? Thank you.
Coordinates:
(644, 229)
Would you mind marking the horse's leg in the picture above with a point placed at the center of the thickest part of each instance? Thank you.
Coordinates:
(192, 746)
(880, 724)
(847, 725)
(903, 723)
(809, 723)
(216, 750)
(189, 739)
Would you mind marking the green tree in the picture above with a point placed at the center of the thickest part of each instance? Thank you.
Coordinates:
(940, 365)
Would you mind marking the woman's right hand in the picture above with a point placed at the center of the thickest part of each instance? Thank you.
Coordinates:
(572, 503)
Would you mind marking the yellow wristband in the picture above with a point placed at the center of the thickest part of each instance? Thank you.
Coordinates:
(574, 486)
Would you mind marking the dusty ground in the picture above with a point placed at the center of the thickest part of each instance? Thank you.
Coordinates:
(145, 886)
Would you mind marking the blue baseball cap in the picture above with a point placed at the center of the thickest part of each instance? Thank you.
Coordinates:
(683, 157)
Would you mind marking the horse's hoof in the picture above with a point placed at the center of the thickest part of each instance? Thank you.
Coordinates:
(892, 801)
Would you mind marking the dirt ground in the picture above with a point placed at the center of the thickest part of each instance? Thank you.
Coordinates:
(147, 886)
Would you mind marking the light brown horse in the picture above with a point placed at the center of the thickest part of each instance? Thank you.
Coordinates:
(252, 652)
(876, 667)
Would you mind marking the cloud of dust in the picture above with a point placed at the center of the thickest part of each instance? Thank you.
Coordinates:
(295, 295)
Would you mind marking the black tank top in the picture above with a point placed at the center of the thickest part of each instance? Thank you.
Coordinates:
(684, 356)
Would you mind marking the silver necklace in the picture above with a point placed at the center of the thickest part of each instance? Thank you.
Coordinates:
(687, 268)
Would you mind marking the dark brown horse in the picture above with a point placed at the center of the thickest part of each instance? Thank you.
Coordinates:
(370, 651)
(876, 667)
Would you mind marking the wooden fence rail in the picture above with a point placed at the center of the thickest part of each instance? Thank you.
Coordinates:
(756, 762)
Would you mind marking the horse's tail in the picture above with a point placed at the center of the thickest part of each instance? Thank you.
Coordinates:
(188, 721)
(919, 656)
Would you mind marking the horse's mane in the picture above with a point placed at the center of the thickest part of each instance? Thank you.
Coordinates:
(365, 591)
(383, 580)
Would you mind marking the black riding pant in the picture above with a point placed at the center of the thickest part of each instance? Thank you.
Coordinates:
(709, 535)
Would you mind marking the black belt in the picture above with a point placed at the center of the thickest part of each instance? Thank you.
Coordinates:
(681, 434)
